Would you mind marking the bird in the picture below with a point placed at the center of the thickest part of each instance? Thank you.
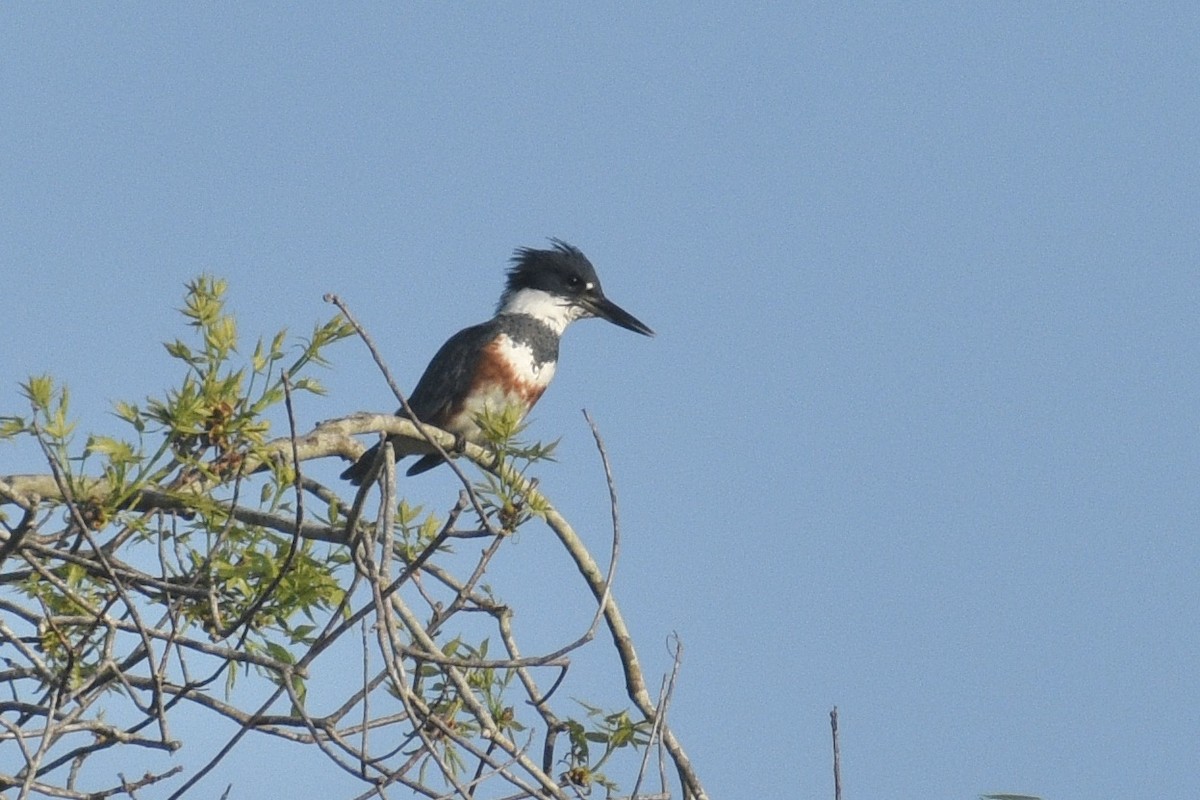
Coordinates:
(510, 359)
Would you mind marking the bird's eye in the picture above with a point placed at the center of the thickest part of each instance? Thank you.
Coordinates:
(575, 282)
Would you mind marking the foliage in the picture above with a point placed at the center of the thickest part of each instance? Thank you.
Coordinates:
(152, 572)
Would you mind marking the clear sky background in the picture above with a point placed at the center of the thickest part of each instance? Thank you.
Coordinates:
(918, 436)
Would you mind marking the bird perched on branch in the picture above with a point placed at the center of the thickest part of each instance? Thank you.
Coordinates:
(509, 360)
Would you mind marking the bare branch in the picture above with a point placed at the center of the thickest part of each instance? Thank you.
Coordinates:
(168, 586)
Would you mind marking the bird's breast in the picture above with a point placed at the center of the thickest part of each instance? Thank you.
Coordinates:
(508, 375)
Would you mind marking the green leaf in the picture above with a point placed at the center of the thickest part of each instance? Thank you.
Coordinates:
(406, 514)
(300, 632)
(181, 351)
(257, 362)
(11, 426)
(131, 414)
(300, 687)
(430, 528)
(311, 385)
(622, 736)
(118, 451)
(221, 336)
(39, 389)
(58, 427)
(279, 652)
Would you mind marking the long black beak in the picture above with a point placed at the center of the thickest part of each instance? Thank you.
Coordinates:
(604, 308)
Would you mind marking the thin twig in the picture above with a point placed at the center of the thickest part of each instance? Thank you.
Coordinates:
(247, 616)
(400, 396)
(616, 522)
(660, 719)
(837, 755)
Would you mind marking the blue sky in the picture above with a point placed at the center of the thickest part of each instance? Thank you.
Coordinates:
(918, 435)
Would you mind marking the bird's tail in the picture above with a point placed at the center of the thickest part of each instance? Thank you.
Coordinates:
(356, 473)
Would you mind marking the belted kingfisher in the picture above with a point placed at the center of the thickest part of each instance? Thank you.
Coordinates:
(510, 359)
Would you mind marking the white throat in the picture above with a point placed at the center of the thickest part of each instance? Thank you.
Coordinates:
(555, 312)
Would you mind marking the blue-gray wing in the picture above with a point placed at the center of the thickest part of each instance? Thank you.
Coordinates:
(440, 390)
(449, 375)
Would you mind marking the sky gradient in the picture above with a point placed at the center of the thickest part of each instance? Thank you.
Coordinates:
(918, 434)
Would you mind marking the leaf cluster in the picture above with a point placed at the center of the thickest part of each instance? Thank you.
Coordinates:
(153, 567)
